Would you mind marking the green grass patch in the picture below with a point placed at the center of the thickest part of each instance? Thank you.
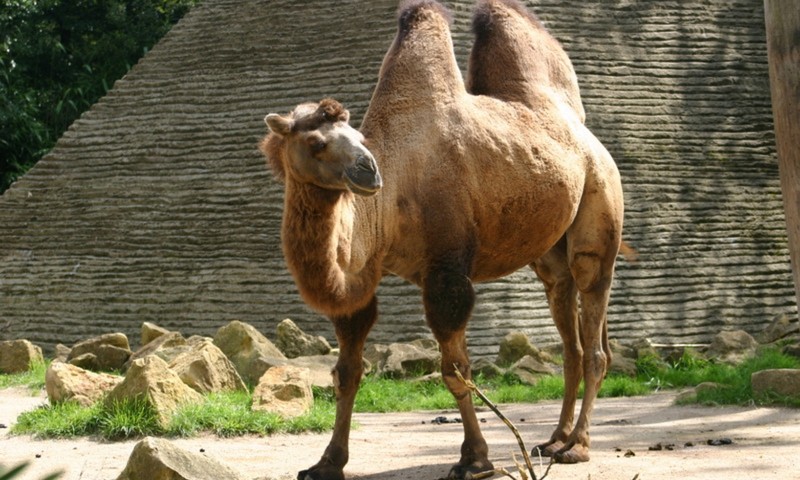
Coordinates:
(32, 379)
(224, 414)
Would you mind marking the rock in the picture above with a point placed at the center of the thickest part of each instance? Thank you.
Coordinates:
(732, 346)
(110, 352)
(294, 342)
(781, 326)
(530, 369)
(166, 347)
(426, 344)
(623, 365)
(690, 395)
(644, 348)
(206, 369)
(284, 390)
(245, 346)
(620, 350)
(485, 367)
(151, 331)
(159, 459)
(62, 353)
(792, 349)
(319, 367)
(151, 380)
(402, 360)
(64, 381)
(513, 347)
(781, 381)
(16, 356)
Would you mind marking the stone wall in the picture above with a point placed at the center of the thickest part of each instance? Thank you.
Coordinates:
(156, 206)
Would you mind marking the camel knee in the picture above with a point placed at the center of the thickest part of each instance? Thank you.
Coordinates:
(346, 377)
(596, 365)
(587, 270)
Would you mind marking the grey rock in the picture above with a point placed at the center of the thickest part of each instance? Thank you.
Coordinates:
(151, 331)
(530, 369)
(102, 353)
(16, 356)
(485, 367)
(781, 381)
(159, 459)
(206, 369)
(64, 381)
(150, 379)
(245, 347)
(294, 342)
(781, 327)
(284, 390)
(732, 346)
(402, 360)
(166, 347)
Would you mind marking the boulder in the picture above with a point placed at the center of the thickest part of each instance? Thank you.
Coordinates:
(319, 367)
(732, 346)
(245, 347)
(792, 349)
(151, 331)
(530, 369)
(517, 345)
(159, 459)
(781, 327)
(623, 366)
(166, 347)
(402, 360)
(690, 395)
(644, 347)
(294, 342)
(150, 379)
(205, 368)
(16, 356)
(780, 381)
(103, 353)
(61, 353)
(485, 367)
(284, 390)
(64, 381)
(426, 343)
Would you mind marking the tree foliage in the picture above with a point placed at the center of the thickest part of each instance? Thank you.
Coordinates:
(58, 57)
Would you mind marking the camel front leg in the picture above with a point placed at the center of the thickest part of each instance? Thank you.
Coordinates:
(351, 332)
(448, 298)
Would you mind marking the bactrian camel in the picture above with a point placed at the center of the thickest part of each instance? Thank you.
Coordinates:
(476, 181)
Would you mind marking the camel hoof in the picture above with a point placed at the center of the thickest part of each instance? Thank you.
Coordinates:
(466, 472)
(547, 449)
(326, 472)
(572, 454)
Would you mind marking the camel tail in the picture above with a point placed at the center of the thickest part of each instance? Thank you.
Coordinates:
(629, 253)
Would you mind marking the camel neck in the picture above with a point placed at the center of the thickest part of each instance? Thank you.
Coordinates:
(317, 237)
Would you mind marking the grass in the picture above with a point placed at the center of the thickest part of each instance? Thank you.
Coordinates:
(32, 379)
(224, 414)
(229, 414)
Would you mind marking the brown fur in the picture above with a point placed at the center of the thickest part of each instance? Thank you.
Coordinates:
(476, 187)
(515, 58)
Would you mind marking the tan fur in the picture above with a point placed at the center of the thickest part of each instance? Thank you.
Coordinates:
(475, 187)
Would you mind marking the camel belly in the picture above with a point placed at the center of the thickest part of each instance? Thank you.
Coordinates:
(516, 231)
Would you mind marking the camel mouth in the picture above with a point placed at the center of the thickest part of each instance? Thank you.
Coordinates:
(363, 178)
(364, 189)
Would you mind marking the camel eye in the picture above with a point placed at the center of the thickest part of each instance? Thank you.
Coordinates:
(318, 145)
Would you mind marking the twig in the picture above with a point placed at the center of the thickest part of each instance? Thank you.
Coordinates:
(474, 388)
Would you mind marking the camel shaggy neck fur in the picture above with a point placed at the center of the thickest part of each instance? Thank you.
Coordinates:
(470, 181)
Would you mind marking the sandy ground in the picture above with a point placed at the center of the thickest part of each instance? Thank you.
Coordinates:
(766, 444)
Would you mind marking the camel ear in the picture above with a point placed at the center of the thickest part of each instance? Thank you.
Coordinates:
(278, 124)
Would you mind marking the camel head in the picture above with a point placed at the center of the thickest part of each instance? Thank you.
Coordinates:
(314, 144)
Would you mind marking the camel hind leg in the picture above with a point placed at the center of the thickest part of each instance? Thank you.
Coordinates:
(580, 267)
(562, 298)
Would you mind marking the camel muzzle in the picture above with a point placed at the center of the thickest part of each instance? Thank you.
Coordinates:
(363, 177)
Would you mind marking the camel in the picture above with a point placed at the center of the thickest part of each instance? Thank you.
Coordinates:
(446, 188)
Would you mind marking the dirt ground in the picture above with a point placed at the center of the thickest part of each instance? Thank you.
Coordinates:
(765, 444)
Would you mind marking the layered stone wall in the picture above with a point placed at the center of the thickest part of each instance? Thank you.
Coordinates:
(156, 206)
